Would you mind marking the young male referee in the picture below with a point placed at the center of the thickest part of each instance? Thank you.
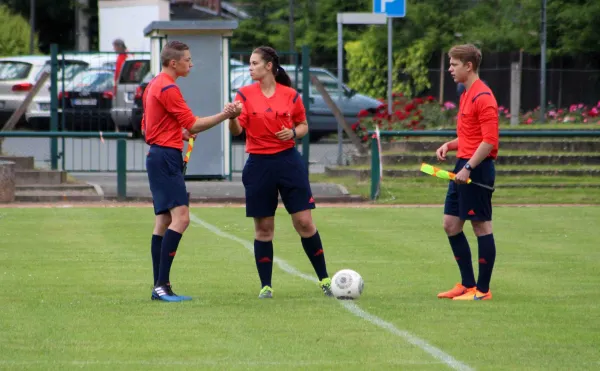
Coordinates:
(167, 122)
(477, 146)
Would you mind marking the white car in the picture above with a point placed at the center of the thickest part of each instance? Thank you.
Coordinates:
(17, 76)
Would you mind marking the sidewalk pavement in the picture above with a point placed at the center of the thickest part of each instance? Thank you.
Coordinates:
(207, 190)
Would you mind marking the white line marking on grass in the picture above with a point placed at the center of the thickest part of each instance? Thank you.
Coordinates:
(204, 362)
(438, 354)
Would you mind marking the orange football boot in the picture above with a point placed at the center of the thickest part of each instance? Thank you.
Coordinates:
(457, 290)
(475, 295)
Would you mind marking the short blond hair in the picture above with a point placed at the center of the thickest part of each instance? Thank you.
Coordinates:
(467, 53)
(172, 51)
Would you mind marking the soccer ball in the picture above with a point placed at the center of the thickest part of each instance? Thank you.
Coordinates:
(347, 285)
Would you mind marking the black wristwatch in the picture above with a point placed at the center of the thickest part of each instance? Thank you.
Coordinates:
(468, 167)
(294, 130)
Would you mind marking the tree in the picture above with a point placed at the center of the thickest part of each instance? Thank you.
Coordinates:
(54, 23)
(575, 25)
(14, 33)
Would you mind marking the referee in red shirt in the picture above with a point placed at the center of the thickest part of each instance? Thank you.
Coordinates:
(272, 117)
(167, 122)
(477, 148)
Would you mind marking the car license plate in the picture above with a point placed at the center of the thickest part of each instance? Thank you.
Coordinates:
(2, 104)
(84, 102)
(130, 95)
(44, 106)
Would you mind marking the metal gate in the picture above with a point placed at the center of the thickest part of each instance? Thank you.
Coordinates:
(86, 94)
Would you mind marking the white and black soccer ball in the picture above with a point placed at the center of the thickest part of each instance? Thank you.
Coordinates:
(347, 285)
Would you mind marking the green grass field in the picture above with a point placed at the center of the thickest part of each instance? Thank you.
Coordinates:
(77, 281)
(429, 190)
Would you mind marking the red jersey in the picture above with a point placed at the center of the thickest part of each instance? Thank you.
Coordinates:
(165, 113)
(119, 64)
(477, 120)
(262, 117)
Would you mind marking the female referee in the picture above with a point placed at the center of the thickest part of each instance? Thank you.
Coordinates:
(273, 116)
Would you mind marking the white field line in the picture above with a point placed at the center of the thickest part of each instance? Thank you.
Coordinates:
(438, 354)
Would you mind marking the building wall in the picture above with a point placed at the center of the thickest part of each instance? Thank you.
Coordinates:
(126, 19)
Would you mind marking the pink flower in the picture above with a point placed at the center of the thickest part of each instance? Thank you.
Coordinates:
(501, 108)
(580, 106)
(573, 108)
(529, 121)
(552, 113)
(584, 121)
(450, 105)
(508, 115)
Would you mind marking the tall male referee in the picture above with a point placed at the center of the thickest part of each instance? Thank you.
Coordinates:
(167, 122)
(477, 148)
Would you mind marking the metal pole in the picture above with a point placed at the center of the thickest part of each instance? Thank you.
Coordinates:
(54, 104)
(292, 35)
(340, 66)
(543, 65)
(122, 168)
(390, 65)
(375, 170)
(306, 100)
(32, 25)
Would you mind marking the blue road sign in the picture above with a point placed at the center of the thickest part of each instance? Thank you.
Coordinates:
(391, 8)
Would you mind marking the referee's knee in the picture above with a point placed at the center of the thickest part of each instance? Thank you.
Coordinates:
(180, 219)
(452, 225)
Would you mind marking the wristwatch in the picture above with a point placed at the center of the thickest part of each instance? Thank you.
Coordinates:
(294, 130)
(468, 167)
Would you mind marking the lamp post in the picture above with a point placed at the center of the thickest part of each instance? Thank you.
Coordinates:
(32, 25)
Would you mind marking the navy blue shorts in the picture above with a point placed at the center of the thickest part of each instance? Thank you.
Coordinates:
(165, 175)
(283, 173)
(468, 201)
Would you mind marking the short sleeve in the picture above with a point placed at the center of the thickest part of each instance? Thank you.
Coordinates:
(243, 117)
(487, 112)
(174, 103)
(298, 110)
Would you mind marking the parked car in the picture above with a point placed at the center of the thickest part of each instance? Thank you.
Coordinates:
(38, 112)
(86, 102)
(137, 111)
(132, 74)
(18, 75)
(320, 118)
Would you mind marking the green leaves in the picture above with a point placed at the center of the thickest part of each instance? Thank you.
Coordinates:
(14, 33)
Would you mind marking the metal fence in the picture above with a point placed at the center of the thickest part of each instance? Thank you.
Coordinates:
(93, 92)
(376, 165)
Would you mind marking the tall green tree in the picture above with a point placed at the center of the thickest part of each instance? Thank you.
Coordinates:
(576, 26)
(14, 33)
(54, 21)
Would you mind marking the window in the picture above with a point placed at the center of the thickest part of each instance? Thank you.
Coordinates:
(92, 81)
(71, 69)
(329, 82)
(14, 70)
(134, 71)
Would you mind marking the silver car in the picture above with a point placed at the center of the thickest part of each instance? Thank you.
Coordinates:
(131, 76)
(320, 118)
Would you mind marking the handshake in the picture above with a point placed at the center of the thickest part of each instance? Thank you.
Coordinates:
(233, 109)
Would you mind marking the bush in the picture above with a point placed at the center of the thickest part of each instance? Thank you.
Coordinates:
(426, 113)
(407, 114)
(14, 34)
